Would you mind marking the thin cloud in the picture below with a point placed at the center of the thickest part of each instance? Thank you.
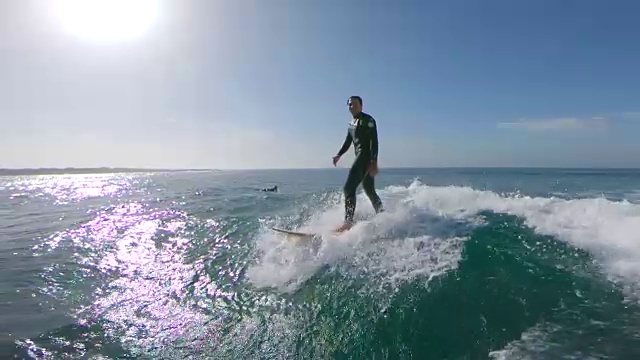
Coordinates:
(631, 115)
(557, 124)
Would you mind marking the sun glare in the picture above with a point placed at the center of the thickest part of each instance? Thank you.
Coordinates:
(107, 20)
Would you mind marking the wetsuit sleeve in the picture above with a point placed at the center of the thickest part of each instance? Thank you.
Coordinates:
(345, 145)
(373, 135)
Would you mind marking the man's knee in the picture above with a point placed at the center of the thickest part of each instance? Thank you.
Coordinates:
(350, 187)
(369, 189)
(348, 190)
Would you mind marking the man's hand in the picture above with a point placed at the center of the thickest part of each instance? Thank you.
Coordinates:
(373, 168)
(336, 159)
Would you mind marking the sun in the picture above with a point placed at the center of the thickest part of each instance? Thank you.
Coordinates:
(107, 20)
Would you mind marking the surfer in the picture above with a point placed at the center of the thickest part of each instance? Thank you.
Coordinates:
(363, 133)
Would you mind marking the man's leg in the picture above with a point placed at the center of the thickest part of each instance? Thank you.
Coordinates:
(370, 189)
(356, 173)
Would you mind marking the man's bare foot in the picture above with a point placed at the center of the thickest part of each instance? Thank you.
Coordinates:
(344, 227)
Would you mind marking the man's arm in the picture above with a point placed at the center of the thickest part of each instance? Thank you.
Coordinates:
(373, 135)
(345, 145)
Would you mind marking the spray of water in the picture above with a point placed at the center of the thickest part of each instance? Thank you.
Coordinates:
(423, 228)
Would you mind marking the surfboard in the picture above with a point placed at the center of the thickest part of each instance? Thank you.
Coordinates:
(294, 233)
(307, 235)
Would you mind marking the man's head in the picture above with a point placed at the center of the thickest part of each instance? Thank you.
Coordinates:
(355, 105)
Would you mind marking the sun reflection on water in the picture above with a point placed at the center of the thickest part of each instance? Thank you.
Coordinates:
(148, 275)
(69, 188)
(157, 286)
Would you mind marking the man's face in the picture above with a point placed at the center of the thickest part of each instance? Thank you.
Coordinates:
(354, 106)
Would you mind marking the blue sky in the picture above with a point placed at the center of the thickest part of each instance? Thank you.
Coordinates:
(262, 84)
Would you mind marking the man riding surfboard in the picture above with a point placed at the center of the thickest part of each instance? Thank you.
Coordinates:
(363, 133)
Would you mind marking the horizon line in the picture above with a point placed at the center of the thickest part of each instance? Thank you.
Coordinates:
(106, 169)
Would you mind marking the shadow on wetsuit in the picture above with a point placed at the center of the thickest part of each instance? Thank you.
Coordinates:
(363, 133)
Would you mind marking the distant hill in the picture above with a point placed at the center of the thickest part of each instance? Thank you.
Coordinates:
(101, 170)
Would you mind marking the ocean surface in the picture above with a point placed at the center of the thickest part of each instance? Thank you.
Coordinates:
(463, 264)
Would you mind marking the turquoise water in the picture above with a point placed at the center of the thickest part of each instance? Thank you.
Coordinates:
(464, 264)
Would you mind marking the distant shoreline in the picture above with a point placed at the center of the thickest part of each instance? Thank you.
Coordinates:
(109, 170)
(102, 170)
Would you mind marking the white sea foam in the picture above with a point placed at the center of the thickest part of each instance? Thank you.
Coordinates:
(609, 230)
(419, 213)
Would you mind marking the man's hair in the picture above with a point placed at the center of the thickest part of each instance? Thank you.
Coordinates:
(357, 98)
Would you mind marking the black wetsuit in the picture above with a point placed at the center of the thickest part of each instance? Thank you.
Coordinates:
(363, 133)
